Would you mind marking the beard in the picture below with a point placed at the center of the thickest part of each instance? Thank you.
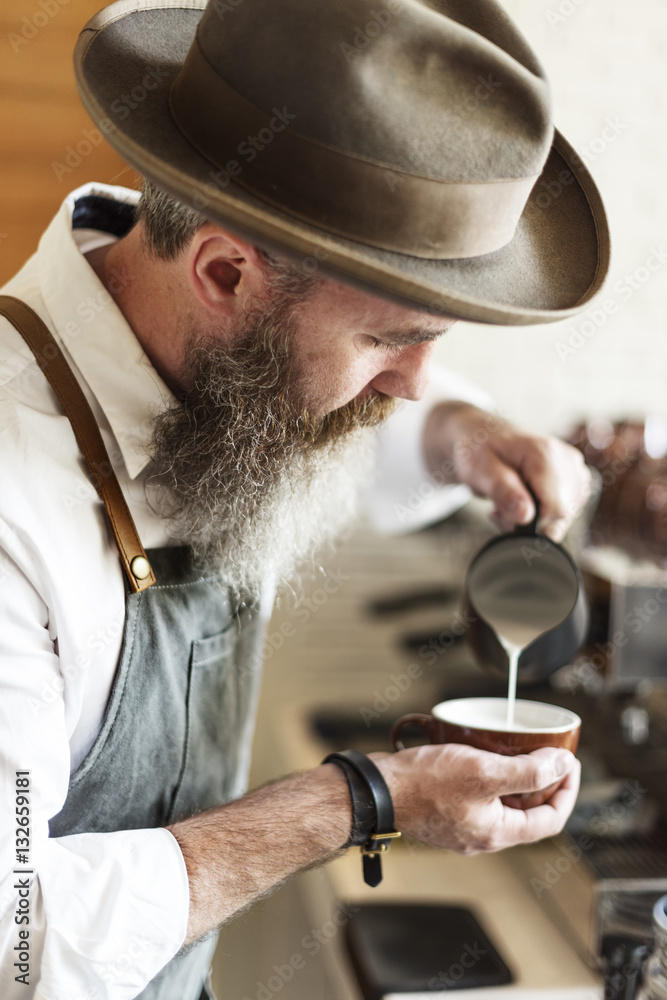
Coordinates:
(242, 470)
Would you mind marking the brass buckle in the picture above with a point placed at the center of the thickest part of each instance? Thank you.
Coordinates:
(381, 848)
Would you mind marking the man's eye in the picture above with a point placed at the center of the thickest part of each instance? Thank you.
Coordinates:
(381, 345)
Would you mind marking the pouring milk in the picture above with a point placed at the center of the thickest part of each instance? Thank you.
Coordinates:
(520, 599)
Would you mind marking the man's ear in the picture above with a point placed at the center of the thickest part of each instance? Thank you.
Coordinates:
(224, 271)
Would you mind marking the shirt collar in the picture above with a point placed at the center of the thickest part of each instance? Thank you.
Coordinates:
(95, 332)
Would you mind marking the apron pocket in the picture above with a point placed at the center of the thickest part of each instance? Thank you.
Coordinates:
(213, 726)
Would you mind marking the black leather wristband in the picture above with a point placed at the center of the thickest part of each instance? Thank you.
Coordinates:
(363, 806)
(372, 810)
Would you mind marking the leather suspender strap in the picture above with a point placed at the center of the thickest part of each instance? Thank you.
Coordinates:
(52, 362)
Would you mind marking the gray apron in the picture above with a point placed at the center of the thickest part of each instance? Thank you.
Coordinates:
(178, 727)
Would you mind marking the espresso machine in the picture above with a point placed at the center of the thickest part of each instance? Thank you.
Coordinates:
(602, 877)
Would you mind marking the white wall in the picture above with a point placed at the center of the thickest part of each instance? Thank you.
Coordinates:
(607, 63)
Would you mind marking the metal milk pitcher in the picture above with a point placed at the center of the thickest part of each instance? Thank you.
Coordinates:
(525, 589)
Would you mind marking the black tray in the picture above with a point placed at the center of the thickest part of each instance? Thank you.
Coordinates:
(418, 948)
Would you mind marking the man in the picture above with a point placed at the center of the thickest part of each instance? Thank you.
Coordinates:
(234, 381)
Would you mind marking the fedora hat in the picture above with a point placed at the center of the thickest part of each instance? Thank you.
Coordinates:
(403, 145)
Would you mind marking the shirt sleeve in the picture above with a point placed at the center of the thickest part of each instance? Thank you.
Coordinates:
(91, 915)
(403, 496)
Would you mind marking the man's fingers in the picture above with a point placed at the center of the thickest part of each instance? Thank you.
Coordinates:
(526, 825)
(492, 477)
(533, 772)
(559, 476)
(534, 461)
(556, 529)
(453, 796)
(556, 473)
(507, 459)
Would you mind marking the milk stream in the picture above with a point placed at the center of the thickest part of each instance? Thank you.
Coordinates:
(514, 652)
(514, 637)
(521, 598)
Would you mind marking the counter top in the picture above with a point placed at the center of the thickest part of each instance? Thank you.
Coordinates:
(542, 962)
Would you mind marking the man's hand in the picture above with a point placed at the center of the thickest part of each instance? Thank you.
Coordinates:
(455, 797)
(447, 796)
(464, 444)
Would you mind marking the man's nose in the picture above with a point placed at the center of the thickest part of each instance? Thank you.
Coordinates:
(406, 376)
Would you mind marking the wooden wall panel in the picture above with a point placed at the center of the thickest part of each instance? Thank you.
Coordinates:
(41, 115)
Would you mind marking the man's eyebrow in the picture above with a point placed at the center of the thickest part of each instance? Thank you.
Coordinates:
(406, 338)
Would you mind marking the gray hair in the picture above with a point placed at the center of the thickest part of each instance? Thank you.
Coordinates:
(170, 225)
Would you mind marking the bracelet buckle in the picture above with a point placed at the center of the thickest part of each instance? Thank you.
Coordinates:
(372, 811)
(370, 847)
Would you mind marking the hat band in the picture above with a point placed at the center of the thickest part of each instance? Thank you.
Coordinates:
(357, 198)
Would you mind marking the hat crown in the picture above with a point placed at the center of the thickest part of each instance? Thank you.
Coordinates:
(418, 210)
(443, 89)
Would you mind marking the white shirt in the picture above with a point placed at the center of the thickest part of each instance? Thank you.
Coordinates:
(107, 910)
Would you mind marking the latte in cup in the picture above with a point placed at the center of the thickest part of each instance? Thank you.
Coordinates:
(482, 723)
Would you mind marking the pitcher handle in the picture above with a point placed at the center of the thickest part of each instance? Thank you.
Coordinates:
(531, 527)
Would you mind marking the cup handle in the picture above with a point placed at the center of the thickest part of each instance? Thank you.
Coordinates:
(415, 719)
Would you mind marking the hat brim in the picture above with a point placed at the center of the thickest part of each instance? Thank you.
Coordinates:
(551, 269)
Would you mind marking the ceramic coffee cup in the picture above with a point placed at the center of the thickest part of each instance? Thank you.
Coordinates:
(482, 723)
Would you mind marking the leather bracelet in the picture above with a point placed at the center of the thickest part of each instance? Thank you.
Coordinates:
(363, 806)
(372, 815)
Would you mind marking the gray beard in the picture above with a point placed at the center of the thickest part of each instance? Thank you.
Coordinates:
(243, 472)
